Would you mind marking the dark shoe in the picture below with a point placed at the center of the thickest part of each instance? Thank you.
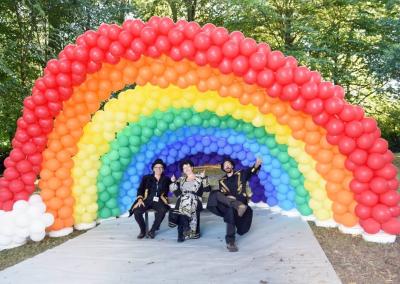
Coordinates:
(231, 246)
(151, 234)
(141, 235)
(186, 233)
(181, 239)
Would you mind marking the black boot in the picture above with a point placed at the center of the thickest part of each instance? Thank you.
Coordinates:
(181, 237)
(141, 235)
(151, 234)
(231, 246)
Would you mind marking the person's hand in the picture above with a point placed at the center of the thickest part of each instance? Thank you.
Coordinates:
(173, 178)
(139, 203)
(258, 163)
(203, 174)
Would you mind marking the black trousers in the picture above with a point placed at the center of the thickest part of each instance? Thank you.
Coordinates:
(160, 209)
(225, 205)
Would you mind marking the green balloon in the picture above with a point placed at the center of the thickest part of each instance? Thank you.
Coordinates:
(162, 125)
(196, 119)
(117, 175)
(259, 132)
(274, 151)
(123, 140)
(270, 143)
(151, 123)
(124, 152)
(112, 203)
(115, 211)
(134, 141)
(136, 130)
(104, 196)
(283, 158)
(101, 187)
(305, 210)
(115, 166)
(168, 118)
(134, 149)
(114, 155)
(300, 200)
(125, 161)
(301, 191)
(179, 122)
(214, 122)
(113, 189)
(105, 213)
(105, 170)
(232, 123)
(186, 114)
(146, 134)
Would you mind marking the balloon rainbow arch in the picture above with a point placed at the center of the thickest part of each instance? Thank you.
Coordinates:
(200, 92)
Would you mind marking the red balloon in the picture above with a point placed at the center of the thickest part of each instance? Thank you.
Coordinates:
(175, 54)
(378, 185)
(52, 95)
(390, 198)
(29, 148)
(338, 92)
(208, 28)
(301, 75)
(125, 38)
(154, 22)
(40, 85)
(369, 198)
(365, 141)
(333, 139)
(237, 36)
(103, 42)
(346, 145)
(24, 166)
(92, 67)
(114, 31)
(258, 61)
(248, 46)
(117, 49)
(275, 59)
(380, 146)
(225, 66)
(17, 155)
(81, 53)
(175, 36)
(135, 27)
(250, 77)
(393, 184)
(50, 81)
(29, 103)
(214, 54)
(298, 104)
(290, 92)
(91, 37)
(202, 41)
(347, 114)
(314, 106)
(370, 226)
(35, 159)
(191, 29)
(148, 35)
(187, 49)
(219, 35)
(358, 187)
(321, 119)
(363, 173)
(335, 127)
(28, 178)
(240, 65)
(350, 165)
(16, 186)
(359, 112)
(201, 58)
(284, 75)
(21, 135)
(63, 80)
(22, 195)
(290, 62)
(263, 48)
(162, 44)
(309, 90)
(69, 51)
(231, 49)
(52, 66)
(392, 226)
(381, 213)
(359, 157)
(11, 173)
(362, 211)
(8, 162)
(334, 105)
(388, 156)
(275, 90)
(354, 129)
(376, 161)
(5, 194)
(39, 98)
(325, 90)
(388, 172)
(65, 67)
(165, 25)
(369, 124)
(395, 211)
(265, 78)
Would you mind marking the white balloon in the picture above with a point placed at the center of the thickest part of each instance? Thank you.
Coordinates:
(23, 233)
(4, 240)
(34, 212)
(19, 240)
(48, 219)
(36, 198)
(36, 227)
(40, 206)
(22, 220)
(38, 236)
(20, 205)
(7, 228)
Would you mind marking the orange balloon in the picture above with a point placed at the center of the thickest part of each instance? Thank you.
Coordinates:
(69, 201)
(226, 80)
(245, 99)
(92, 84)
(202, 86)
(265, 108)
(224, 91)
(257, 99)
(65, 212)
(339, 208)
(69, 222)
(311, 149)
(57, 225)
(182, 83)
(312, 137)
(324, 156)
(235, 90)
(162, 82)
(47, 194)
(170, 75)
(55, 203)
(278, 109)
(157, 67)
(213, 83)
(63, 192)
(335, 176)
(345, 197)
(63, 173)
(323, 169)
(53, 183)
(46, 174)
(296, 123)
(67, 141)
(52, 164)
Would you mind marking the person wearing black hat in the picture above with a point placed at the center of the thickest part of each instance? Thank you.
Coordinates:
(152, 194)
(230, 200)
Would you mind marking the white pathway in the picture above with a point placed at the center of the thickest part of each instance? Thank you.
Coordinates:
(277, 249)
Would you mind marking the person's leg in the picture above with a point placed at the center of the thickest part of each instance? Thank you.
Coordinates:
(161, 210)
(231, 202)
(183, 227)
(229, 218)
(138, 212)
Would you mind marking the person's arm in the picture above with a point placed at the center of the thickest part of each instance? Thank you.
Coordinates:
(250, 171)
(175, 187)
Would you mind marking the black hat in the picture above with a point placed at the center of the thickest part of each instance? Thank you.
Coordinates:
(186, 162)
(158, 162)
(227, 159)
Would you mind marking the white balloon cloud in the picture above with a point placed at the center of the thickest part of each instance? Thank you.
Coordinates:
(27, 220)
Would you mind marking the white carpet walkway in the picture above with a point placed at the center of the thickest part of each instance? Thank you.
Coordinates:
(277, 249)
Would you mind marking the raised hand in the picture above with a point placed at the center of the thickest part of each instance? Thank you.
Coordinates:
(258, 162)
(173, 178)
(203, 174)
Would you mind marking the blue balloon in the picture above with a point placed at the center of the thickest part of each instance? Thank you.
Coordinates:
(272, 201)
(286, 205)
